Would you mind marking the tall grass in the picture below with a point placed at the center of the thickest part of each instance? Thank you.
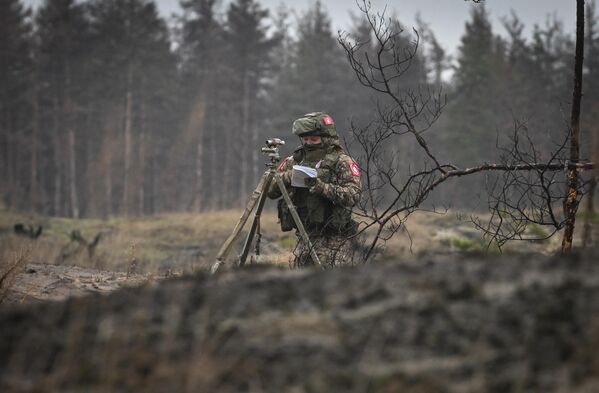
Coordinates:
(11, 264)
(169, 243)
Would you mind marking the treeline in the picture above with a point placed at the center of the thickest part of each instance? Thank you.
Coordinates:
(504, 83)
(105, 110)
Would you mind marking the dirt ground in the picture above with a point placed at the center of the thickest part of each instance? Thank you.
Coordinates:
(40, 282)
(139, 250)
(511, 323)
(437, 311)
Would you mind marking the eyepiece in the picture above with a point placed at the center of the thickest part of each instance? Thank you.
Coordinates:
(274, 142)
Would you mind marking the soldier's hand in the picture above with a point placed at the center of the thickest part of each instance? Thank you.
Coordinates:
(286, 176)
(322, 174)
(310, 181)
(317, 187)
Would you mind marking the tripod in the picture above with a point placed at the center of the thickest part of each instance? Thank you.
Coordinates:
(258, 198)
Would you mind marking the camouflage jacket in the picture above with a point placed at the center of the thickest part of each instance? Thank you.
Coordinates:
(342, 187)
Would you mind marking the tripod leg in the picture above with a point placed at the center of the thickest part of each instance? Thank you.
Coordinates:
(226, 247)
(255, 223)
(298, 222)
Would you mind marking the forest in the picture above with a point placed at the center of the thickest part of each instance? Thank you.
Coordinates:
(107, 109)
(131, 141)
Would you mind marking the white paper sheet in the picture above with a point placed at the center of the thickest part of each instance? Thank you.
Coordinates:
(300, 173)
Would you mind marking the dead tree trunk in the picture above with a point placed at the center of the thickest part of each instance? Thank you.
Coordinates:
(34, 189)
(153, 186)
(587, 232)
(245, 127)
(196, 124)
(142, 159)
(226, 184)
(214, 186)
(72, 151)
(105, 165)
(73, 174)
(571, 204)
(199, 168)
(128, 139)
(4, 158)
(57, 154)
(10, 161)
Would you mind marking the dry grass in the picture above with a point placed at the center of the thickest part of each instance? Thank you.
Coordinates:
(432, 233)
(177, 243)
(181, 243)
(11, 264)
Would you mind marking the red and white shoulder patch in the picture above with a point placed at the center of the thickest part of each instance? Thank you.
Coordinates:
(353, 167)
(328, 121)
(282, 164)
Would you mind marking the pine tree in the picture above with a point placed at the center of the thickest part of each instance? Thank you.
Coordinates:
(156, 112)
(320, 68)
(249, 60)
(201, 53)
(590, 128)
(357, 97)
(61, 28)
(280, 85)
(592, 55)
(520, 86)
(590, 113)
(551, 78)
(317, 76)
(15, 84)
(437, 59)
(133, 71)
(473, 112)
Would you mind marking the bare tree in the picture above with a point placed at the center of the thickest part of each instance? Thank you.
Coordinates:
(571, 205)
(128, 140)
(523, 186)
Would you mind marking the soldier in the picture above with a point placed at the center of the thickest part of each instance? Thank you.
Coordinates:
(324, 203)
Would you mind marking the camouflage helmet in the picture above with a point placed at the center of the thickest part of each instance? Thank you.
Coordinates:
(315, 123)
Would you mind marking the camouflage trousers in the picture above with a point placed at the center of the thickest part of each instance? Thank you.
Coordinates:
(332, 251)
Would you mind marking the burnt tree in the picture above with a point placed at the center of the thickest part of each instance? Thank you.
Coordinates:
(524, 186)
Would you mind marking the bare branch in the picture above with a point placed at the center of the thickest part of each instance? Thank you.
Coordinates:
(524, 186)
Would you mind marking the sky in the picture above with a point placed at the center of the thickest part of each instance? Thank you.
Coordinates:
(445, 17)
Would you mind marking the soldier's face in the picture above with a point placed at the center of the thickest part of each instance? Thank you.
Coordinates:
(311, 140)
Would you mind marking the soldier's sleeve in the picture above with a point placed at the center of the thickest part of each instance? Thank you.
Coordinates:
(345, 189)
(284, 170)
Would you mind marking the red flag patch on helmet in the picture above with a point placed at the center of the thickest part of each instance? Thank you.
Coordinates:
(282, 164)
(355, 171)
(328, 121)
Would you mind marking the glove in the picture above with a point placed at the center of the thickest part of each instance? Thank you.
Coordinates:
(310, 181)
(316, 185)
(286, 176)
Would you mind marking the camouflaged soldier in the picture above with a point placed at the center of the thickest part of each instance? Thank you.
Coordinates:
(324, 204)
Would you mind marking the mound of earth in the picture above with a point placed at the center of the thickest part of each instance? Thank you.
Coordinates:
(40, 281)
(510, 324)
